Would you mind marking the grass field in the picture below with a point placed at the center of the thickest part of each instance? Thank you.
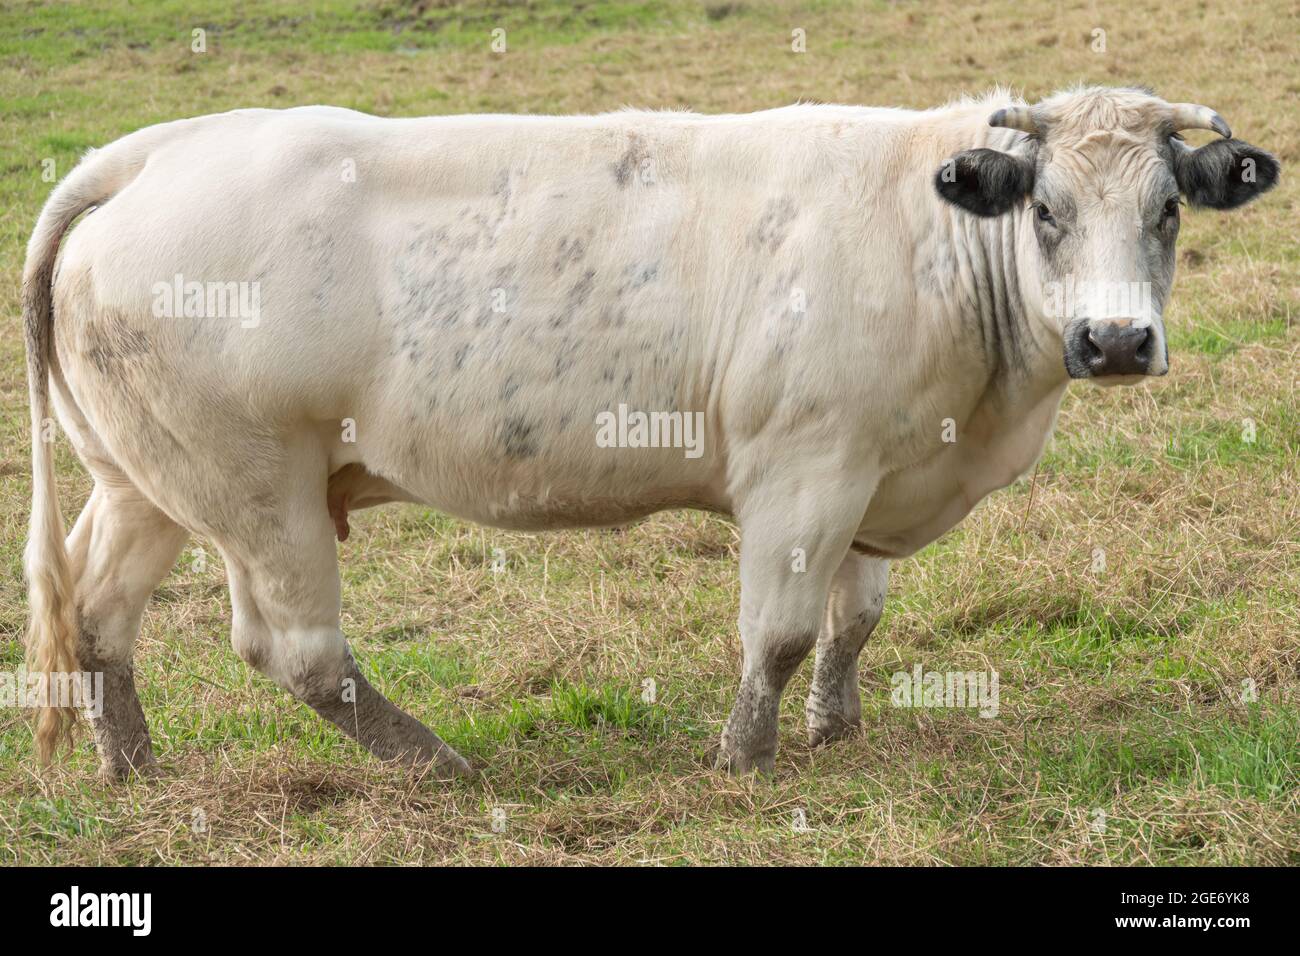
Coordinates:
(1148, 708)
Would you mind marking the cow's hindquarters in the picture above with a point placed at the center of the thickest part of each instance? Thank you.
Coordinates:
(174, 443)
(51, 632)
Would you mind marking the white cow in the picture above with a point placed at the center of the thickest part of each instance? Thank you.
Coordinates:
(272, 317)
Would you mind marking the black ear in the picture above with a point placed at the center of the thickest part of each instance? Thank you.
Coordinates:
(986, 182)
(1224, 174)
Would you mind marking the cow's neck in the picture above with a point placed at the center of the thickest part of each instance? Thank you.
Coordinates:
(995, 259)
(1013, 409)
(991, 302)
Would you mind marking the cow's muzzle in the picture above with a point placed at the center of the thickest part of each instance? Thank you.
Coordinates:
(1106, 348)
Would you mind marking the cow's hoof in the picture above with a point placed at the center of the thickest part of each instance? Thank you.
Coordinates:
(443, 771)
(141, 766)
(824, 730)
(443, 765)
(739, 764)
(452, 765)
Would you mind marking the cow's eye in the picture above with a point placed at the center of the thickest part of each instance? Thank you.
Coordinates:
(1043, 213)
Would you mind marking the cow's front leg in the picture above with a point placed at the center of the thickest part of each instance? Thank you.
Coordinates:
(791, 545)
(856, 600)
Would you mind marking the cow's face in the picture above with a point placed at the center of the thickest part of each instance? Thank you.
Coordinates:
(1099, 183)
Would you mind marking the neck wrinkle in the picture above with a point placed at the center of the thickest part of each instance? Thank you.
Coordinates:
(991, 300)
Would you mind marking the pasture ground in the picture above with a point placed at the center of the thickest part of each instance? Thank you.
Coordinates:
(1126, 732)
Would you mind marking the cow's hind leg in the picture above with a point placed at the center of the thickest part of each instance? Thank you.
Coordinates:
(120, 549)
(857, 598)
(285, 595)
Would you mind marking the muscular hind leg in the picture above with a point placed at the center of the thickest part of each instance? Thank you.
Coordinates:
(120, 549)
(284, 589)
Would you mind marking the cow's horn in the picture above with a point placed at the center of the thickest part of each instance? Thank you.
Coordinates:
(1191, 116)
(1016, 117)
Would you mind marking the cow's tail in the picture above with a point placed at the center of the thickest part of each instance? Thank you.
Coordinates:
(52, 627)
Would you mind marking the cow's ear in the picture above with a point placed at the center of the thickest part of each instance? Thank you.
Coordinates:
(986, 182)
(1224, 174)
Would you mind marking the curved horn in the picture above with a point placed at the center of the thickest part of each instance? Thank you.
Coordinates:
(1016, 117)
(1192, 116)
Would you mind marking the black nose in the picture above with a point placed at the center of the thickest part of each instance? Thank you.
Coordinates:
(1118, 349)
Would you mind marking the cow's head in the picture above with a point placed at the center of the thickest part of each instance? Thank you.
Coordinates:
(1094, 189)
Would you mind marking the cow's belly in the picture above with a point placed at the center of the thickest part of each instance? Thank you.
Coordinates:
(546, 475)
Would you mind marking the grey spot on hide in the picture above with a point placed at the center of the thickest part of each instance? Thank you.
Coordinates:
(630, 163)
(637, 276)
(571, 250)
(516, 437)
(773, 225)
(578, 295)
(112, 345)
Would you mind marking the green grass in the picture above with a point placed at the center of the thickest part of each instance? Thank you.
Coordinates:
(1252, 757)
(1224, 338)
(57, 33)
(1124, 733)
